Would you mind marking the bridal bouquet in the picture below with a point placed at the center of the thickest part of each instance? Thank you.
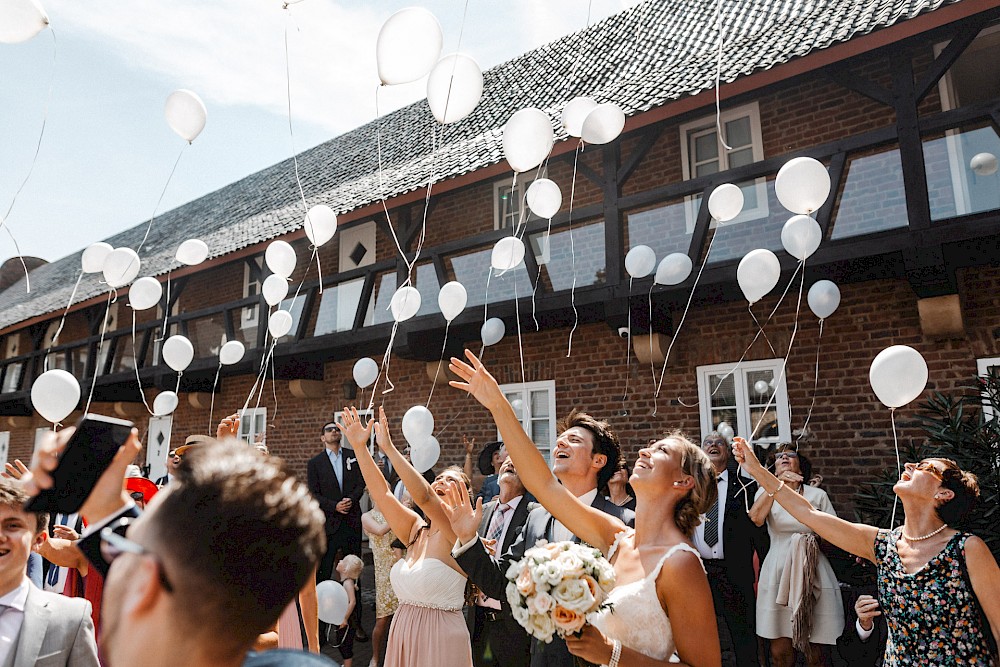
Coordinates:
(556, 585)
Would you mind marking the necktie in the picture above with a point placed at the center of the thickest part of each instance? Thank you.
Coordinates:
(712, 522)
(497, 523)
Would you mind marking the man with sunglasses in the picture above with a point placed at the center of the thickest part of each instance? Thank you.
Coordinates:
(173, 459)
(335, 481)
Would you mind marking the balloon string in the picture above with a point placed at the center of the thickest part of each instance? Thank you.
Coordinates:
(899, 468)
(149, 225)
(62, 322)
(211, 409)
(572, 249)
(760, 328)
(812, 403)
(718, 77)
(454, 65)
(112, 297)
(386, 359)
(784, 363)
(687, 307)
(444, 346)
(34, 159)
(381, 182)
(260, 375)
(649, 320)
(520, 345)
(177, 387)
(135, 363)
(538, 276)
(628, 344)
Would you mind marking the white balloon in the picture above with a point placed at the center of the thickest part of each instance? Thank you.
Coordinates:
(603, 124)
(20, 20)
(507, 253)
(408, 45)
(527, 139)
(192, 252)
(55, 394)
(425, 453)
(673, 269)
(725, 202)
(517, 405)
(898, 375)
(760, 386)
(144, 293)
(801, 236)
(320, 224)
(492, 331)
(824, 298)
(758, 273)
(405, 303)
(452, 299)
(280, 323)
(94, 256)
(575, 112)
(544, 198)
(802, 185)
(121, 266)
(984, 164)
(177, 352)
(231, 353)
(331, 602)
(165, 403)
(726, 431)
(365, 372)
(454, 88)
(274, 289)
(186, 114)
(640, 261)
(280, 258)
(418, 423)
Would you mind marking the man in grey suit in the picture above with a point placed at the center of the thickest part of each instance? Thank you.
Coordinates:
(36, 627)
(587, 454)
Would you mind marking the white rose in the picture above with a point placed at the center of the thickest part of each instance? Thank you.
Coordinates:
(575, 595)
(544, 603)
(606, 576)
(570, 564)
(541, 627)
(513, 570)
(520, 615)
(513, 596)
(547, 574)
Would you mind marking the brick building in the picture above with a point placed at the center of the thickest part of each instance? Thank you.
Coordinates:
(894, 97)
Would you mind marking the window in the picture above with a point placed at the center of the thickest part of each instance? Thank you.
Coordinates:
(507, 202)
(988, 367)
(251, 287)
(739, 398)
(535, 405)
(4, 446)
(12, 373)
(365, 416)
(158, 445)
(702, 154)
(253, 425)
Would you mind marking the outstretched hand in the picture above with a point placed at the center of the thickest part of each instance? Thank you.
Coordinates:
(382, 437)
(357, 433)
(477, 381)
(463, 517)
(228, 427)
(743, 453)
(15, 470)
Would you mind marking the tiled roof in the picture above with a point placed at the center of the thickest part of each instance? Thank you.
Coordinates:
(642, 58)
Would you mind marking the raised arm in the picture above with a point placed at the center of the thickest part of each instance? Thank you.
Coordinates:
(590, 525)
(856, 538)
(373, 527)
(419, 488)
(400, 518)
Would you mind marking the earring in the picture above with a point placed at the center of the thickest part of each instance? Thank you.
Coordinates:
(678, 483)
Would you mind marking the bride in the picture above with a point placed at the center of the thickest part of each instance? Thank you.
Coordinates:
(662, 602)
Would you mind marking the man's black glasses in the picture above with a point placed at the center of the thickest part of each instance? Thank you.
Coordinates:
(114, 544)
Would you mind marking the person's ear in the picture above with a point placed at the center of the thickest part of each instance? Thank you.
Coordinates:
(944, 494)
(144, 588)
(686, 483)
(38, 540)
(598, 461)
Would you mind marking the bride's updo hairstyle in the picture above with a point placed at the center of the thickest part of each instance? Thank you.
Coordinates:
(694, 462)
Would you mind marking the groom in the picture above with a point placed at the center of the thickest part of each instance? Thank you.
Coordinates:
(587, 454)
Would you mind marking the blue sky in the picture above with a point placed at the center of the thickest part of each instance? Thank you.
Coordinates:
(107, 150)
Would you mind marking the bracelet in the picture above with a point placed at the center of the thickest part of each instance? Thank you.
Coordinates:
(616, 654)
(780, 487)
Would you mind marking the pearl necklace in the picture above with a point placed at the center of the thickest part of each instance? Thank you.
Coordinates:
(923, 537)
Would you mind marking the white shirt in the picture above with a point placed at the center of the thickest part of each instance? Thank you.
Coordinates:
(718, 551)
(11, 618)
(561, 533)
(57, 575)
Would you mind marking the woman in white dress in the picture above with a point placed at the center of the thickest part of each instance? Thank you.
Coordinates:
(428, 628)
(662, 600)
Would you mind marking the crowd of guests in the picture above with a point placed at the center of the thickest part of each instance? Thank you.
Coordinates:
(218, 562)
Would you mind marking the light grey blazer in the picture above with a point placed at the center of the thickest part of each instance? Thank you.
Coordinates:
(56, 632)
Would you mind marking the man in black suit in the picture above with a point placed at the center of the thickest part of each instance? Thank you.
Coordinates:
(587, 454)
(335, 481)
(726, 541)
(493, 630)
(864, 638)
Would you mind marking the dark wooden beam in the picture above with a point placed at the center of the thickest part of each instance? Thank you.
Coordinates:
(588, 173)
(966, 32)
(928, 273)
(825, 212)
(366, 297)
(700, 231)
(613, 237)
(842, 76)
(646, 142)
(911, 149)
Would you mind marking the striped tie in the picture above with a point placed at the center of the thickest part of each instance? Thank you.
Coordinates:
(496, 525)
(712, 523)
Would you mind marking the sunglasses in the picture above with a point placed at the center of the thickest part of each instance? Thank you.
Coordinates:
(786, 455)
(928, 467)
(329, 429)
(137, 496)
(114, 543)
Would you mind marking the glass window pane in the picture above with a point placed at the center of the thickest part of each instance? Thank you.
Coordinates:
(738, 133)
(12, 376)
(666, 228)
(873, 199)
(385, 287)
(338, 306)
(765, 425)
(295, 307)
(207, 334)
(124, 358)
(540, 433)
(584, 255)
(740, 158)
(473, 269)
(540, 403)
(707, 168)
(428, 286)
(953, 186)
(706, 146)
(723, 391)
(727, 415)
(760, 385)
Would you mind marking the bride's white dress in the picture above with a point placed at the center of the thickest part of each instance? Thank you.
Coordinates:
(637, 620)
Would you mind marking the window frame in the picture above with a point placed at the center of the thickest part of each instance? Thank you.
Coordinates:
(983, 365)
(367, 414)
(248, 424)
(521, 188)
(250, 315)
(526, 388)
(701, 125)
(744, 423)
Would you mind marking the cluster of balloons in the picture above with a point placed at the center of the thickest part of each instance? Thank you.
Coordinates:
(418, 427)
(584, 118)
(452, 299)
(672, 269)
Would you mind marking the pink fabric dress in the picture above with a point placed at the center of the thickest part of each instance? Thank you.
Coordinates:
(429, 627)
(289, 628)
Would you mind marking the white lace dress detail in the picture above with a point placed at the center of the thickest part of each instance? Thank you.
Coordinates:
(637, 620)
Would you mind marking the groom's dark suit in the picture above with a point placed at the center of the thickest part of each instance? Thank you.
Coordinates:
(343, 531)
(490, 576)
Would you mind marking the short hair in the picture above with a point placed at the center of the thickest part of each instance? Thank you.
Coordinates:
(805, 465)
(322, 429)
(14, 496)
(243, 536)
(605, 442)
(353, 566)
(964, 485)
(694, 462)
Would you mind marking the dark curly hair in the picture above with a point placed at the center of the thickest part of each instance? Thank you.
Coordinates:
(964, 485)
(605, 442)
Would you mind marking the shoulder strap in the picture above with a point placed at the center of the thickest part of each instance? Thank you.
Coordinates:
(683, 546)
